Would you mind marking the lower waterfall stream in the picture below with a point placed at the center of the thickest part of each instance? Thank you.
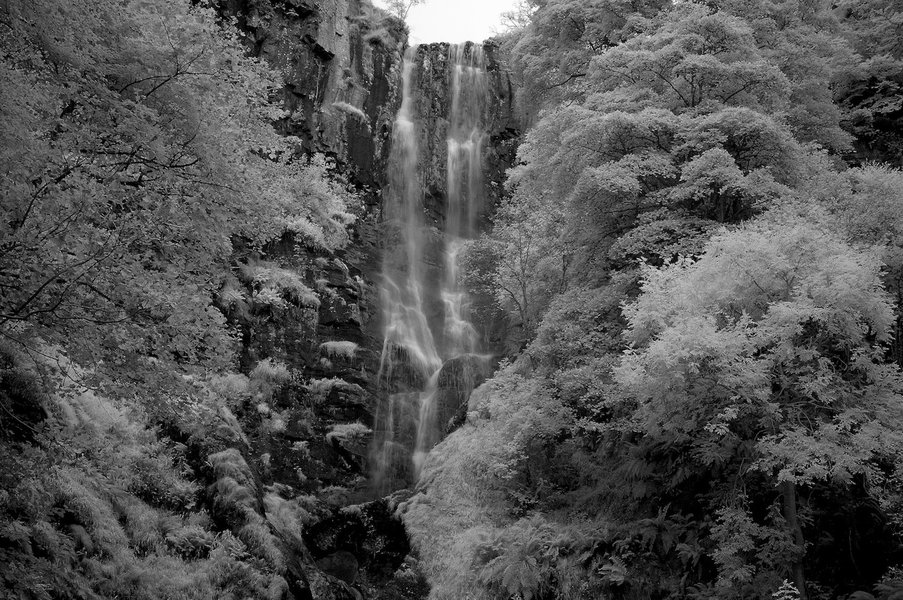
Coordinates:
(425, 309)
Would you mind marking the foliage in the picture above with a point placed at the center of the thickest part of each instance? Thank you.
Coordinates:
(344, 432)
(702, 394)
(276, 287)
(401, 8)
(340, 349)
(103, 509)
(787, 591)
(121, 198)
(138, 156)
(552, 54)
(516, 265)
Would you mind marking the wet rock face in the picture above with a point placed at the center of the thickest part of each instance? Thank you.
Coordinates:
(458, 377)
(432, 109)
(433, 98)
(339, 60)
(364, 544)
(312, 423)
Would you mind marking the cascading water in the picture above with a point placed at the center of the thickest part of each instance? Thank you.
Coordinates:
(465, 186)
(416, 346)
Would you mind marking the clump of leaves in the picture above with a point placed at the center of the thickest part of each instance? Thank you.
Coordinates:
(277, 287)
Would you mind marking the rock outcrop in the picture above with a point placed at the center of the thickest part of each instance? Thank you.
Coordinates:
(432, 109)
(308, 427)
(339, 60)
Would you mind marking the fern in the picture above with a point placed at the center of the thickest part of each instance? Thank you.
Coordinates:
(352, 110)
(787, 591)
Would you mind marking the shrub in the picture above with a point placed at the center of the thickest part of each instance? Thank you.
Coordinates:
(322, 387)
(230, 386)
(339, 349)
(230, 463)
(352, 110)
(271, 371)
(275, 286)
(346, 431)
(286, 516)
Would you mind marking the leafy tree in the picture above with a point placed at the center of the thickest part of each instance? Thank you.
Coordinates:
(552, 55)
(401, 8)
(869, 94)
(518, 17)
(865, 203)
(677, 125)
(138, 155)
(776, 336)
(518, 265)
(121, 198)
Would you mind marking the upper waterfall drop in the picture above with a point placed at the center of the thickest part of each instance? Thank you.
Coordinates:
(406, 329)
(426, 311)
(464, 185)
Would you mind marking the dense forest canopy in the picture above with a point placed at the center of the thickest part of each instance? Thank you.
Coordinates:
(699, 258)
(138, 148)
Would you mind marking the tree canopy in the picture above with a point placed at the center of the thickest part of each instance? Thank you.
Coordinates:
(707, 347)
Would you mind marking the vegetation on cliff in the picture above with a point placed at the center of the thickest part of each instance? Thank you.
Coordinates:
(699, 259)
(143, 188)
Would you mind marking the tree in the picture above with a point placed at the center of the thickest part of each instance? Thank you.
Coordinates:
(866, 204)
(521, 264)
(551, 57)
(518, 17)
(401, 8)
(775, 338)
(869, 93)
(136, 147)
(121, 199)
(688, 156)
(679, 123)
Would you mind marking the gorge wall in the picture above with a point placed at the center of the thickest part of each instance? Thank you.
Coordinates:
(341, 61)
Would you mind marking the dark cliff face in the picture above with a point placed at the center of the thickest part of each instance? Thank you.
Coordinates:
(339, 60)
(433, 104)
(341, 63)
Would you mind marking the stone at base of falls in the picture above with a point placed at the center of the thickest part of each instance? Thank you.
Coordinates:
(341, 565)
(403, 373)
(458, 377)
(366, 545)
(324, 586)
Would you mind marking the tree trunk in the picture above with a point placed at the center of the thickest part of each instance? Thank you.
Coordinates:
(788, 489)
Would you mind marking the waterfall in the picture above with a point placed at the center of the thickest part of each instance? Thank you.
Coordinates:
(464, 184)
(417, 342)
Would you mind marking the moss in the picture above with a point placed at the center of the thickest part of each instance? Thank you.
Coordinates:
(323, 387)
(231, 464)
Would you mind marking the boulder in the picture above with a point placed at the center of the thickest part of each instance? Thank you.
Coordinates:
(458, 377)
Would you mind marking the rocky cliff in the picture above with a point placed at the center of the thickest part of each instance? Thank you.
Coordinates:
(340, 61)
(433, 106)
